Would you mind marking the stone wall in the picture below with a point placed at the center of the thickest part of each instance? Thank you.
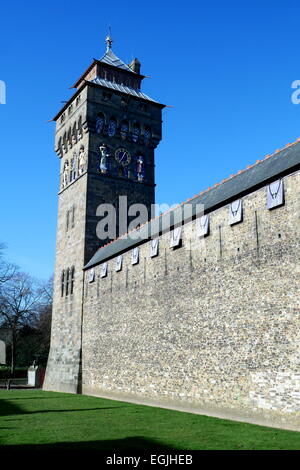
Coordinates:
(64, 358)
(212, 326)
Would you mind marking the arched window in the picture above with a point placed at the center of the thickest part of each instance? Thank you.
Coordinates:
(64, 144)
(59, 146)
(99, 123)
(112, 127)
(72, 280)
(74, 134)
(62, 283)
(124, 129)
(136, 132)
(79, 131)
(69, 139)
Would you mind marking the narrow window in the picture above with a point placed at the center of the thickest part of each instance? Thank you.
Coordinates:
(68, 282)
(67, 220)
(73, 216)
(72, 279)
(62, 283)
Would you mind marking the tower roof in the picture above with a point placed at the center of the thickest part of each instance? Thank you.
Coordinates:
(110, 58)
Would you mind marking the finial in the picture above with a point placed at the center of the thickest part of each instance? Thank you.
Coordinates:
(108, 40)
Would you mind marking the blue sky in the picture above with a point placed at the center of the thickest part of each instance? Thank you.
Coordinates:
(226, 68)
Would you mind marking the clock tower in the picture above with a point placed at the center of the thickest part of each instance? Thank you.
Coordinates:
(106, 135)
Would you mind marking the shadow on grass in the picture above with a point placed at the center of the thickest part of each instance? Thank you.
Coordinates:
(8, 408)
(116, 445)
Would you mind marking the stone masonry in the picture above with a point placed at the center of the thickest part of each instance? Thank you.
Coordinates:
(212, 326)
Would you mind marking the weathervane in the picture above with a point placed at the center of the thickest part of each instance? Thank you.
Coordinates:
(108, 40)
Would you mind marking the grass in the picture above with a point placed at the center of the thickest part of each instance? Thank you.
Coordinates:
(33, 419)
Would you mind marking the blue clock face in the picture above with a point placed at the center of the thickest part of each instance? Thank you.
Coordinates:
(122, 156)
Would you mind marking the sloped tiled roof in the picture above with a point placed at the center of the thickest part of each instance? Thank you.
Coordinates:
(282, 162)
(111, 59)
(122, 88)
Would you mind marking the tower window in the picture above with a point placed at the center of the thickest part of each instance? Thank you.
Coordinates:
(65, 145)
(79, 131)
(69, 141)
(112, 127)
(99, 123)
(68, 282)
(136, 132)
(62, 283)
(74, 134)
(67, 220)
(72, 280)
(73, 216)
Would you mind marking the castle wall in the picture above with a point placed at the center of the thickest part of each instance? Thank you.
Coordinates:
(212, 326)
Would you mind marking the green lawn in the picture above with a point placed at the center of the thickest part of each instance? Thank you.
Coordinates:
(48, 420)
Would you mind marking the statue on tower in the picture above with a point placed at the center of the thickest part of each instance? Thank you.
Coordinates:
(140, 169)
(105, 154)
(82, 161)
(65, 174)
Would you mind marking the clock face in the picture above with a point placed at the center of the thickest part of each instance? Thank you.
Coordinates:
(122, 156)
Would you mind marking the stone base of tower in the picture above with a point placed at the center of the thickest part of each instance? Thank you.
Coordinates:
(62, 377)
(63, 372)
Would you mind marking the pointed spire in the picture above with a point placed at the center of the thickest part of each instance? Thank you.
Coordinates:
(108, 40)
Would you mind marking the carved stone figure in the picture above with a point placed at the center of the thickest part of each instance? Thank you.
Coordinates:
(82, 161)
(105, 154)
(79, 134)
(73, 139)
(140, 168)
(66, 173)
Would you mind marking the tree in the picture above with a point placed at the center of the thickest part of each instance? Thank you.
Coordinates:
(21, 299)
(43, 323)
(7, 270)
